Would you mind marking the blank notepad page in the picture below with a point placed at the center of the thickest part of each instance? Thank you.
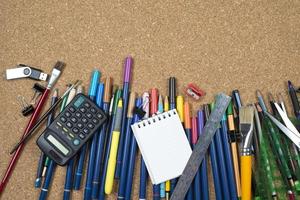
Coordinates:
(164, 145)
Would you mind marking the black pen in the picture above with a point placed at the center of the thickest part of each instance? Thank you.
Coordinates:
(294, 99)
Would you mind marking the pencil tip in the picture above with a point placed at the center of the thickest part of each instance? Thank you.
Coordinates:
(258, 93)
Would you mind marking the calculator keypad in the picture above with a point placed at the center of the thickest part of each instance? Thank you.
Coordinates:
(77, 123)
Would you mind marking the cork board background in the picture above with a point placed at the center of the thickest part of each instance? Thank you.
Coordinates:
(220, 46)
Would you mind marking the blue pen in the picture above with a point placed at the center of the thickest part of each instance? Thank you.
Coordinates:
(132, 155)
(161, 110)
(221, 162)
(127, 140)
(172, 101)
(93, 149)
(101, 141)
(92, 94)
(143, 169)
(203, 167)
(228, 158)
(214, 163)
(70, 166)
(125, 97)
(117, 96)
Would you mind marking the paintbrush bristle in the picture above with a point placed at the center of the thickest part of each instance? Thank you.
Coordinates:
(59, 65)
(246, 114)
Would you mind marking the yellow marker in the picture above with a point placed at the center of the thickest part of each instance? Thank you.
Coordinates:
(109, 181)
(179, 107)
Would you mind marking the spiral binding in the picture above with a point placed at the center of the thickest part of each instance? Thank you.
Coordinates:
(156, 118)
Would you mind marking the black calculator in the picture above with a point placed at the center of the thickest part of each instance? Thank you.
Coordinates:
(71, 129)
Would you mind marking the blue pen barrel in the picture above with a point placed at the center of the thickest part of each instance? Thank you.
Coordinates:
(48, 179)
(90, 170)
(143, 179)
(215, 170)
(203, 167)
(221, 164)
(103, 173)
(79, 170)
(131, 156)
(123, 130)
(99, 156)
(69, 180)
(162, 190)
(123, 177)
(156, 192)
(228, 159)
(189, 195)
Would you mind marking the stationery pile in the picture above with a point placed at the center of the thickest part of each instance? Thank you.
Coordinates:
(253, 152)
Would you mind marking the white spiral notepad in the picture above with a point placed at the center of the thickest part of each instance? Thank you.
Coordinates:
(164, 145)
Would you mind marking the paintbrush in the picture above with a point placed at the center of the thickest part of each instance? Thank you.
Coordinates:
(246, 115)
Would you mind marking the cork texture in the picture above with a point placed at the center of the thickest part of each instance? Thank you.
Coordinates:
(219, 45)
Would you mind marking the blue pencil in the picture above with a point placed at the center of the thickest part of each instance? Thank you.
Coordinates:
(221, 162)
(132, 155)
(101, 141)
(93, 149)
(143, 169)
(228, 158)
(125, 97)
(214, 163)
(127, 139)
(203, 167)
(117, 96)
(92, 94)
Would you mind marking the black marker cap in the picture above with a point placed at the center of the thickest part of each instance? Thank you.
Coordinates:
(172, 89)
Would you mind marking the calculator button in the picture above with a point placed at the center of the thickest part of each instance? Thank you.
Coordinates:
(76, 142)
(63, 119)
(84, 120)
(81, 135)
(59, 124)
(93, 110)
(72, 109)
(99, 115)
(65, 130)
(73, 119)
(78, 114)
(75, 130)
(82, 109)
(80, 125)
(86, 130)
(68, 114)
(91, 126)
(95, 121)
(71, 135)
(69, 138)
(69, 124)
(89, 115)
(86, 104)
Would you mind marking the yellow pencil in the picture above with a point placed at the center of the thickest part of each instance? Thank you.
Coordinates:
(168, 183)
(109, 180)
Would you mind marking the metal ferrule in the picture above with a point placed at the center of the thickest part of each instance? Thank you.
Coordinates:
(54, 76)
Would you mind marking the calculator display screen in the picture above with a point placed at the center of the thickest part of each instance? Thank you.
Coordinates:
(58, 145)
(79, 101)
